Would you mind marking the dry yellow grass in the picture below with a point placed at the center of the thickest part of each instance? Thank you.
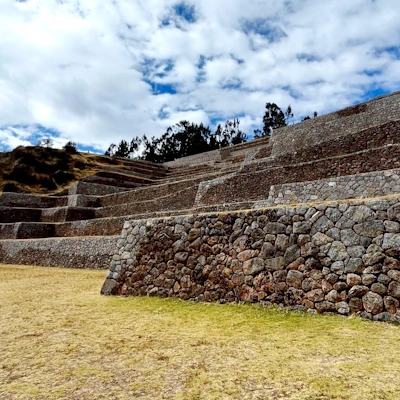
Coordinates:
(59, 339)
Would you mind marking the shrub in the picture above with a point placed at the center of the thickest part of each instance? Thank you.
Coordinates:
(71, 147)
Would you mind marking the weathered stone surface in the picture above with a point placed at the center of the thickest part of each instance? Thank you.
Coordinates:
(340, 286)
(391, 226)
(275, 228)
(359, 213)
(267, 250)
(368, 279)
(332, 278)
(292, 253)
(338, 251)
(320, 239)
(309, 250)
(241, 243)
(181, 257)
(349, 238)
(333, 214)
(383, 278)
(357, 291)
(333, 296)
(370, 229)
(342, 308)
(378, 288)
(392, 263)
(382, 317)
(391, 304)
(394, 212)
(325, 306)
(353, 279)
(394, 290)
(355, 304)
(294, 278)
(337, 267)
(109, 287)
(194, 233)
(355, 266)
(275, 263)
(178, 246)
(394, 274)
(334, 233)
(246, 255)
(238, 278)
(373, 303)
(315, 295)
(356, 251)
(372, 258)
(344, 223)
(391, 240)
(282, 242)
(251, 267)
(322, 224)
(302, 227)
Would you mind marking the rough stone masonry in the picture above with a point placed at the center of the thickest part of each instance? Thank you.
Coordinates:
(332, 257)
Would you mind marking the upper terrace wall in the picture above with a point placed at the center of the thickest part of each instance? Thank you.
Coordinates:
(328, 127)
(348, 155)
(201, 158)
(316, 131)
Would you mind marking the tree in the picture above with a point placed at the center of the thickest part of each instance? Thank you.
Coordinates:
(273, 118)
(308, 117)
(288, 114)
(46, 142)
(111, 150)
(231, 134)
(149, 152)
(122, 149)
(180, 140)
(70, 147)
(134, 146)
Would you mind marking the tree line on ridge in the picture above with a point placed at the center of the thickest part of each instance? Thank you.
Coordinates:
(187, 138)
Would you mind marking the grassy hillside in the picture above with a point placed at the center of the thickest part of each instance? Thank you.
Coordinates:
(36, 169)
(61, 340)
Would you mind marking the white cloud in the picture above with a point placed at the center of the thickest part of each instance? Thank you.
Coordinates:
(97, 72)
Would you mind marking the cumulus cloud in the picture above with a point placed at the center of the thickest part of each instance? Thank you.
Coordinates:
(96, 72)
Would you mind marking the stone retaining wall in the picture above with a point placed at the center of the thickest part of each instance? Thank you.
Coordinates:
(371, 184)
(94, 189)
(176, 200)
(87, 252)
(255, 185)
(201, 158)
(316, 131)
(342, 123)
(10, 199)
(147, 192)
(365, 140)
(341, 257)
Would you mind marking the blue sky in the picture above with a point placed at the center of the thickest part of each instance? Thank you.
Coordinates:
(96, 72)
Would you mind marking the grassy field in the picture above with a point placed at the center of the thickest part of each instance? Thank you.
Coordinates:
(59, 339)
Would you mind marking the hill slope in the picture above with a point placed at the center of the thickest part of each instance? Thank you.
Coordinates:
(36, 169)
